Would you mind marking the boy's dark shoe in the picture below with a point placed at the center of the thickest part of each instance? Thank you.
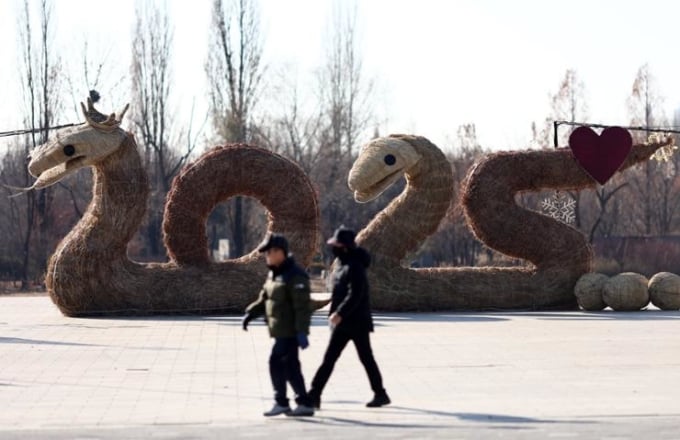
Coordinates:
(277, 410)
(380, 399)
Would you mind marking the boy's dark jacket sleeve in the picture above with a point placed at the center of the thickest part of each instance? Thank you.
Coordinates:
(256, 308)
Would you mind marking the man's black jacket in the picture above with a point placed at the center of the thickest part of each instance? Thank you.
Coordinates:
(351, 298)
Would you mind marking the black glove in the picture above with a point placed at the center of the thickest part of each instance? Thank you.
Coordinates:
(245, 320)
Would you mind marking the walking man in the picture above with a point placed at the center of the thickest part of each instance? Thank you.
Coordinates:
(284, 300)
(350, 317)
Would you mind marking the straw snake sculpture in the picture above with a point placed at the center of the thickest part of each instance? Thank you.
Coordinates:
(559, 253)
(90, 273)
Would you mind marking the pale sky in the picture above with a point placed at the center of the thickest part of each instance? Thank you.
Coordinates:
(436, 64)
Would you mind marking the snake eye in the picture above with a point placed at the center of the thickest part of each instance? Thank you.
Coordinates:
(69, 150)
(390, 159)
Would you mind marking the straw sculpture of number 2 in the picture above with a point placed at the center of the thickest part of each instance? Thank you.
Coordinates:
(90, 273)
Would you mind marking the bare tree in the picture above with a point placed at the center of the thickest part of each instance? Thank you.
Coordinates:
(569, 103)
(604, 195)
(343, 90)
(345, 116)
(95, 69)
(651, 187)
(151, 76)
(235, 70)
(13, 219)
(39, 68)
(294, 130)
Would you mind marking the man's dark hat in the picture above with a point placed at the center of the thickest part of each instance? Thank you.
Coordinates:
(342, 236)
(274, 241)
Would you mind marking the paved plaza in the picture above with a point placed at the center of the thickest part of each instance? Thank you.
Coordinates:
(450, 375)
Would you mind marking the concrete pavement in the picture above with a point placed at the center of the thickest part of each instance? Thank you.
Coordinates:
(451, 375)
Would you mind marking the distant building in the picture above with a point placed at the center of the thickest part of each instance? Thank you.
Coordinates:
(222, 252)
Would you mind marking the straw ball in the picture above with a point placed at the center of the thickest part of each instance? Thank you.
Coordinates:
(588, 291)
(626, 292)
(664, 291)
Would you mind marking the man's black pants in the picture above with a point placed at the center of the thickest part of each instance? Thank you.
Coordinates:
(339, 339)
(284, 366)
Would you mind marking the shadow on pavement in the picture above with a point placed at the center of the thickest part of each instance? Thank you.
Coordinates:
(319, 318)
(643, 315)
(437, 317)
(5, 340)
(379, 320)
(322, 420)
(479, 417)
(518, 422)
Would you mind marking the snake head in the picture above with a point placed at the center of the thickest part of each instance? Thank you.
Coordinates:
(381, 163)
(76, 147)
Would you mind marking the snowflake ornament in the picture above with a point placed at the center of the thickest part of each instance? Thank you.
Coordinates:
(560, 207)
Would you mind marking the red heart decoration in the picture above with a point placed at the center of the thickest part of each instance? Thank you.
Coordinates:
(600, 155)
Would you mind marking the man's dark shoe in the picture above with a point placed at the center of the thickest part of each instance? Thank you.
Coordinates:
(314, 399)
(380, 399)
(301, 411)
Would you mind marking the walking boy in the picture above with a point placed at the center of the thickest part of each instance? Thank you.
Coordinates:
(284, 300)
(350, 317)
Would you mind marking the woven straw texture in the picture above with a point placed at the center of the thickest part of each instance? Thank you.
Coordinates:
(588, 291)
(664, 291)
(559, 254)
(90, 273)
(626, 292)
